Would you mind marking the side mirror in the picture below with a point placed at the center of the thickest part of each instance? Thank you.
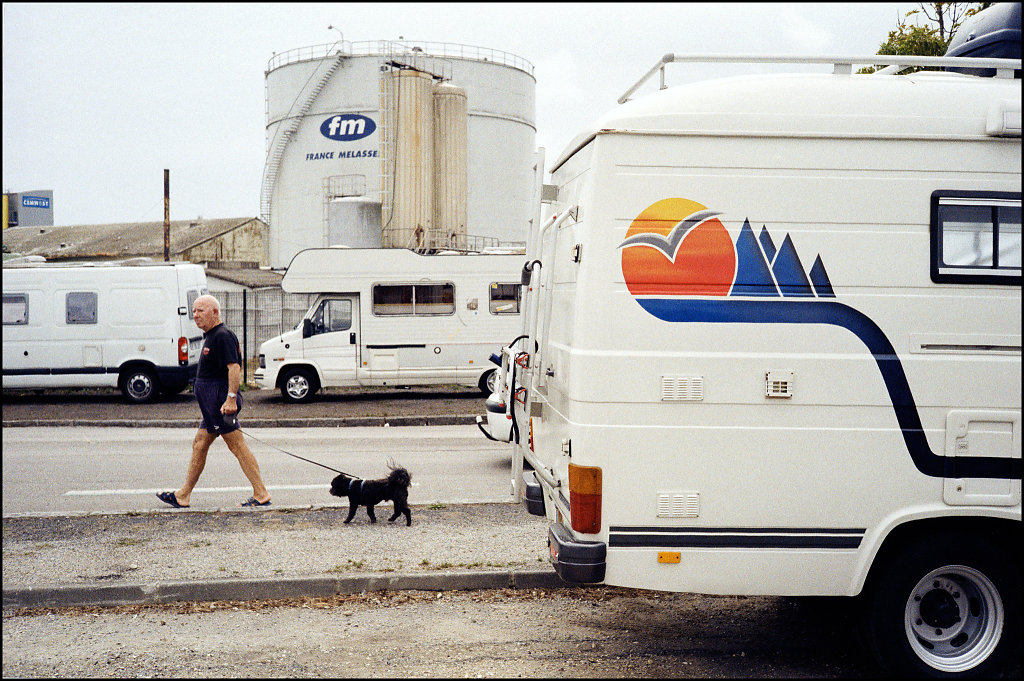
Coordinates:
(307, 327)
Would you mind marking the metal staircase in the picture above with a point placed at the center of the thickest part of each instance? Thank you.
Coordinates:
(275, 149)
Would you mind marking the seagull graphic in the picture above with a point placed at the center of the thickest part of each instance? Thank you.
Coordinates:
(669, 245)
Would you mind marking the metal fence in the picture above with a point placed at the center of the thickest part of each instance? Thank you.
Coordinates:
(259, 315)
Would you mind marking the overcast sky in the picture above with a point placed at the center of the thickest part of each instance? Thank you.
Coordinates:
(98, 99)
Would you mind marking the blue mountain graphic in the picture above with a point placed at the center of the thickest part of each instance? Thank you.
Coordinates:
(789, 272)
(753, 277)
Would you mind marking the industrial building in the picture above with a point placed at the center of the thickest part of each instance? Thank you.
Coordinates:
(398, 144)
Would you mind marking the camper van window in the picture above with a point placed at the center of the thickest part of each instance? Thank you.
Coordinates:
(15, 309)
(332, 315)
(80, 307)
(976, 239)
(505, 298)
(413, 299)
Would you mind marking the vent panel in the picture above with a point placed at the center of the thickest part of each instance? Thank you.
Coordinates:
(682, 388)
(678, 504)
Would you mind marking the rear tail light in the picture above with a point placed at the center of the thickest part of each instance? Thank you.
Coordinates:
(585, 498)
(183, 350)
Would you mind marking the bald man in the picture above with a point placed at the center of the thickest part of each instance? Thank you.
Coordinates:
(216, 390)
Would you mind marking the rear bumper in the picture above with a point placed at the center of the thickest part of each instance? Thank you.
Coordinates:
(180, 375)
(575, 561)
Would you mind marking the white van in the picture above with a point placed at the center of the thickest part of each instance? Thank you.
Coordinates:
(773, 346)
(121, 324)
(393, 317)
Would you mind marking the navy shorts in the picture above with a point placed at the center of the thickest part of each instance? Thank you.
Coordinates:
(211, 396)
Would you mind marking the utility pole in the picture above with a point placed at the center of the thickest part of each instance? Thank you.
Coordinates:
(167, 214)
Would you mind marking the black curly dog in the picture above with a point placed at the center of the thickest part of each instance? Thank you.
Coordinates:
(368, 493)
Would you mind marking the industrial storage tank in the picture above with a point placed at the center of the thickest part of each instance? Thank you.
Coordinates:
(329, 136)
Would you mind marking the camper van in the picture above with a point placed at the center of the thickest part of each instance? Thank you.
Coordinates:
(393, 317)
(121, 324)
(772, 345)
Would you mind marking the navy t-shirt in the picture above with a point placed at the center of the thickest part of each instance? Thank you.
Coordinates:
(220, 348)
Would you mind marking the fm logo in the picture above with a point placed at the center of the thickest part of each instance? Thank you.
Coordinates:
(347, 127)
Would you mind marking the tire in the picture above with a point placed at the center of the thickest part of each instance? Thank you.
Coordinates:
(298, 385)
(945, 606)
(488, 382)
(139, 384)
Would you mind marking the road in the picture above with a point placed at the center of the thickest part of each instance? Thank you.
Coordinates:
(107, 470)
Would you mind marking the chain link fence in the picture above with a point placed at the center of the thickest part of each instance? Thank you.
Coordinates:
(260, 314)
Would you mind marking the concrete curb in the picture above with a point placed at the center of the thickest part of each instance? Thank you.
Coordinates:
(154, 593)
(326, 422)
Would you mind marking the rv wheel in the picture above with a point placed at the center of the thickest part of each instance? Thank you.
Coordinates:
(139, 384)
(298, 385)
(944, 607)
(488, 382)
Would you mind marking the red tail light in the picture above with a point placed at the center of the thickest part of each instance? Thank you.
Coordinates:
(183, 350)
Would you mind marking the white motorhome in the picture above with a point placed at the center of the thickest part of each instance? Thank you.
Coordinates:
(772, 345)
(393, 317)
(121, 324)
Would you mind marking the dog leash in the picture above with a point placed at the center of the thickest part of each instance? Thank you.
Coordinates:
(250, 435)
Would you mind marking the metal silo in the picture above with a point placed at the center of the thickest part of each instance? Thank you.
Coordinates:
(450, 161)
(327, 139)
(407, 163)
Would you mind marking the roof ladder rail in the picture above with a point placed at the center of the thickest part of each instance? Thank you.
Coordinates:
(275, 149)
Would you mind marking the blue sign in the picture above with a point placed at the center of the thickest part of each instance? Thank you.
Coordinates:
(347, 127)
(35, 202)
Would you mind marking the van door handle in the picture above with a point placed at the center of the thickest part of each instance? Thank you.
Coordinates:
(352, 338)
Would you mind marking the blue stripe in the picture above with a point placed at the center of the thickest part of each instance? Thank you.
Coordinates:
(838, 314)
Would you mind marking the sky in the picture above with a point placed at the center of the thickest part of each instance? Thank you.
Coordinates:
(98, 99)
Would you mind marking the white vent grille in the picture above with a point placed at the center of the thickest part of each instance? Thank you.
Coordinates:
(678, 504)
(778, 384)
(682, 388)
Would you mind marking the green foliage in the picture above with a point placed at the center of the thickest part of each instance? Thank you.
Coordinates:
(930, 40)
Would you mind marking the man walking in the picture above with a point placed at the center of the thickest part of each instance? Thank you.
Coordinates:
(216, 390)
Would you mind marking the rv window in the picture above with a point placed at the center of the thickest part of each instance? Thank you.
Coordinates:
(80, 307)
(505, 298)
(413, 299)
(15, 309)
(976, 237)
(332, 315)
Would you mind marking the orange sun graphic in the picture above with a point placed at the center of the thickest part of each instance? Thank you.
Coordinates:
(678, 247)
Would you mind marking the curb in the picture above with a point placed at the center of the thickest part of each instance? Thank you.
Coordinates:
(325, 422)
(155, 593)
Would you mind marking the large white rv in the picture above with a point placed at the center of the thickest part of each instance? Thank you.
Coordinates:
(772, 345)
(127, 325)
(393, 317)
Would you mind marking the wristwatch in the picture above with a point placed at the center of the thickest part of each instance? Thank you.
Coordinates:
(231, 395)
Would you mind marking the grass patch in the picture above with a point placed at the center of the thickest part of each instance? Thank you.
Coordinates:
(131, 541)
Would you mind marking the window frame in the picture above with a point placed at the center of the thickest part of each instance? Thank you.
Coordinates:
(95, 308)
(9, 298)
(413, 286)
(494, 286)
(942, 273)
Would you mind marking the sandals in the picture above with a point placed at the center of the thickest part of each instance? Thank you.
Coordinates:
(252, 502)
(169, 498)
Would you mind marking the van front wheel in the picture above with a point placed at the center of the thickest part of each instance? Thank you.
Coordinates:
(945, 607)
(298, 385)
(139, 385)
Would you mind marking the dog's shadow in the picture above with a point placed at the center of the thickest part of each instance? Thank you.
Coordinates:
(369, 493)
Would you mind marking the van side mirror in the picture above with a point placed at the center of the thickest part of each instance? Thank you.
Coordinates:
(307, 327)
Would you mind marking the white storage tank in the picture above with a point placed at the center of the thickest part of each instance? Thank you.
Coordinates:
(450, 165)
(326, 140)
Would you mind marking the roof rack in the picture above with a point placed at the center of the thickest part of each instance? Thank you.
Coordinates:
(841, 66)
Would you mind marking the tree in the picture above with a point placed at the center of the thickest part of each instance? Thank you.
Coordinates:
(929, 40)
